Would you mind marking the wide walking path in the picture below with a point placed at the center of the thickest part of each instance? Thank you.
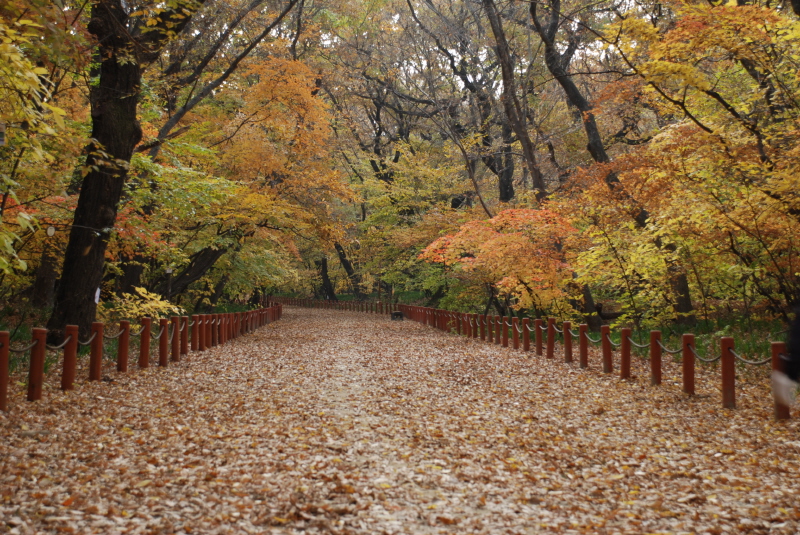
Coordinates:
(348, 423)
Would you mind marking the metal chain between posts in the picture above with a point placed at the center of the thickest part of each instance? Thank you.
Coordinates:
(89, 341)
(157, 336)
(701, 359)
(612, 342)
(668, 350)
(751, 362)
(62, 344)
(640, 346)
(23, 349)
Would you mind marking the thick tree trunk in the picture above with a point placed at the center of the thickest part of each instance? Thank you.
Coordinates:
(115, 132)
(327, 286)
(124, 49)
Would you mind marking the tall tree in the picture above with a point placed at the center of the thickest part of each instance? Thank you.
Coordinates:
(129, 37)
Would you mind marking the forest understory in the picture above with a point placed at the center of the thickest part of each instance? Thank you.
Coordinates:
(339, 422)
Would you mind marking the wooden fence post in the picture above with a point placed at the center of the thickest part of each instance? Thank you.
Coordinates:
(537, 331)
(605, 345)
(144, 343)
(526, 334)
(728, 365)
(515, 332)
(176, 339)
(625, 353)
(163, 342)
(566, 326)
(96, 352)
(583, 345)
(70, 357)
(687, 363)
(123, 346)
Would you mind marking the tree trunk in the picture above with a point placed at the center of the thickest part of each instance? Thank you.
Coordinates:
(45, 282)
(124, 50)
(327, 286)
(199, 264)
(115, 132)
(558, 64)
(355, 279)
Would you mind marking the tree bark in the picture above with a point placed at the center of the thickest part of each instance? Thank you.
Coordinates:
(558, 65)
(511, 102)
(45, 282)
(327, 286)
(124, 50)
(355, 279)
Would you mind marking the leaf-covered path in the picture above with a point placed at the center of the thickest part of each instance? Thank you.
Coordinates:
(336, 422)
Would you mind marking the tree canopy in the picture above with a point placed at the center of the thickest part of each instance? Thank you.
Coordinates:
(533, 157)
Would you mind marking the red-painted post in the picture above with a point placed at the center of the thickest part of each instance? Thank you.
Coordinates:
(583, 345)
(566, 326)
(482, 321)
(123, 346)
(687, 363)
(176, 339)
(184, 335)
(36, 369)
(476, 318)
(779, 348)
(526, 334)
(214, 330)
(605, 345)
(515, 332)
(655, 357)
(70, 357)
(490, 329)
(163, 343)
(96, 352)
(728, 362)
(201, 332)
(5, 343)
(499, 325)
(551, 337)
(537, 332)
(144, 343)
(195, 332)
(625, 353)
(504, 325)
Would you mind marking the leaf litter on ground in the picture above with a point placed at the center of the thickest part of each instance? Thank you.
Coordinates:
(348, 423)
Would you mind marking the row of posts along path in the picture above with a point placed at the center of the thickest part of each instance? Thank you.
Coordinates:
(349, 423)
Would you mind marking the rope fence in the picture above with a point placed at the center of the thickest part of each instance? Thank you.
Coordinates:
(174, 338)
